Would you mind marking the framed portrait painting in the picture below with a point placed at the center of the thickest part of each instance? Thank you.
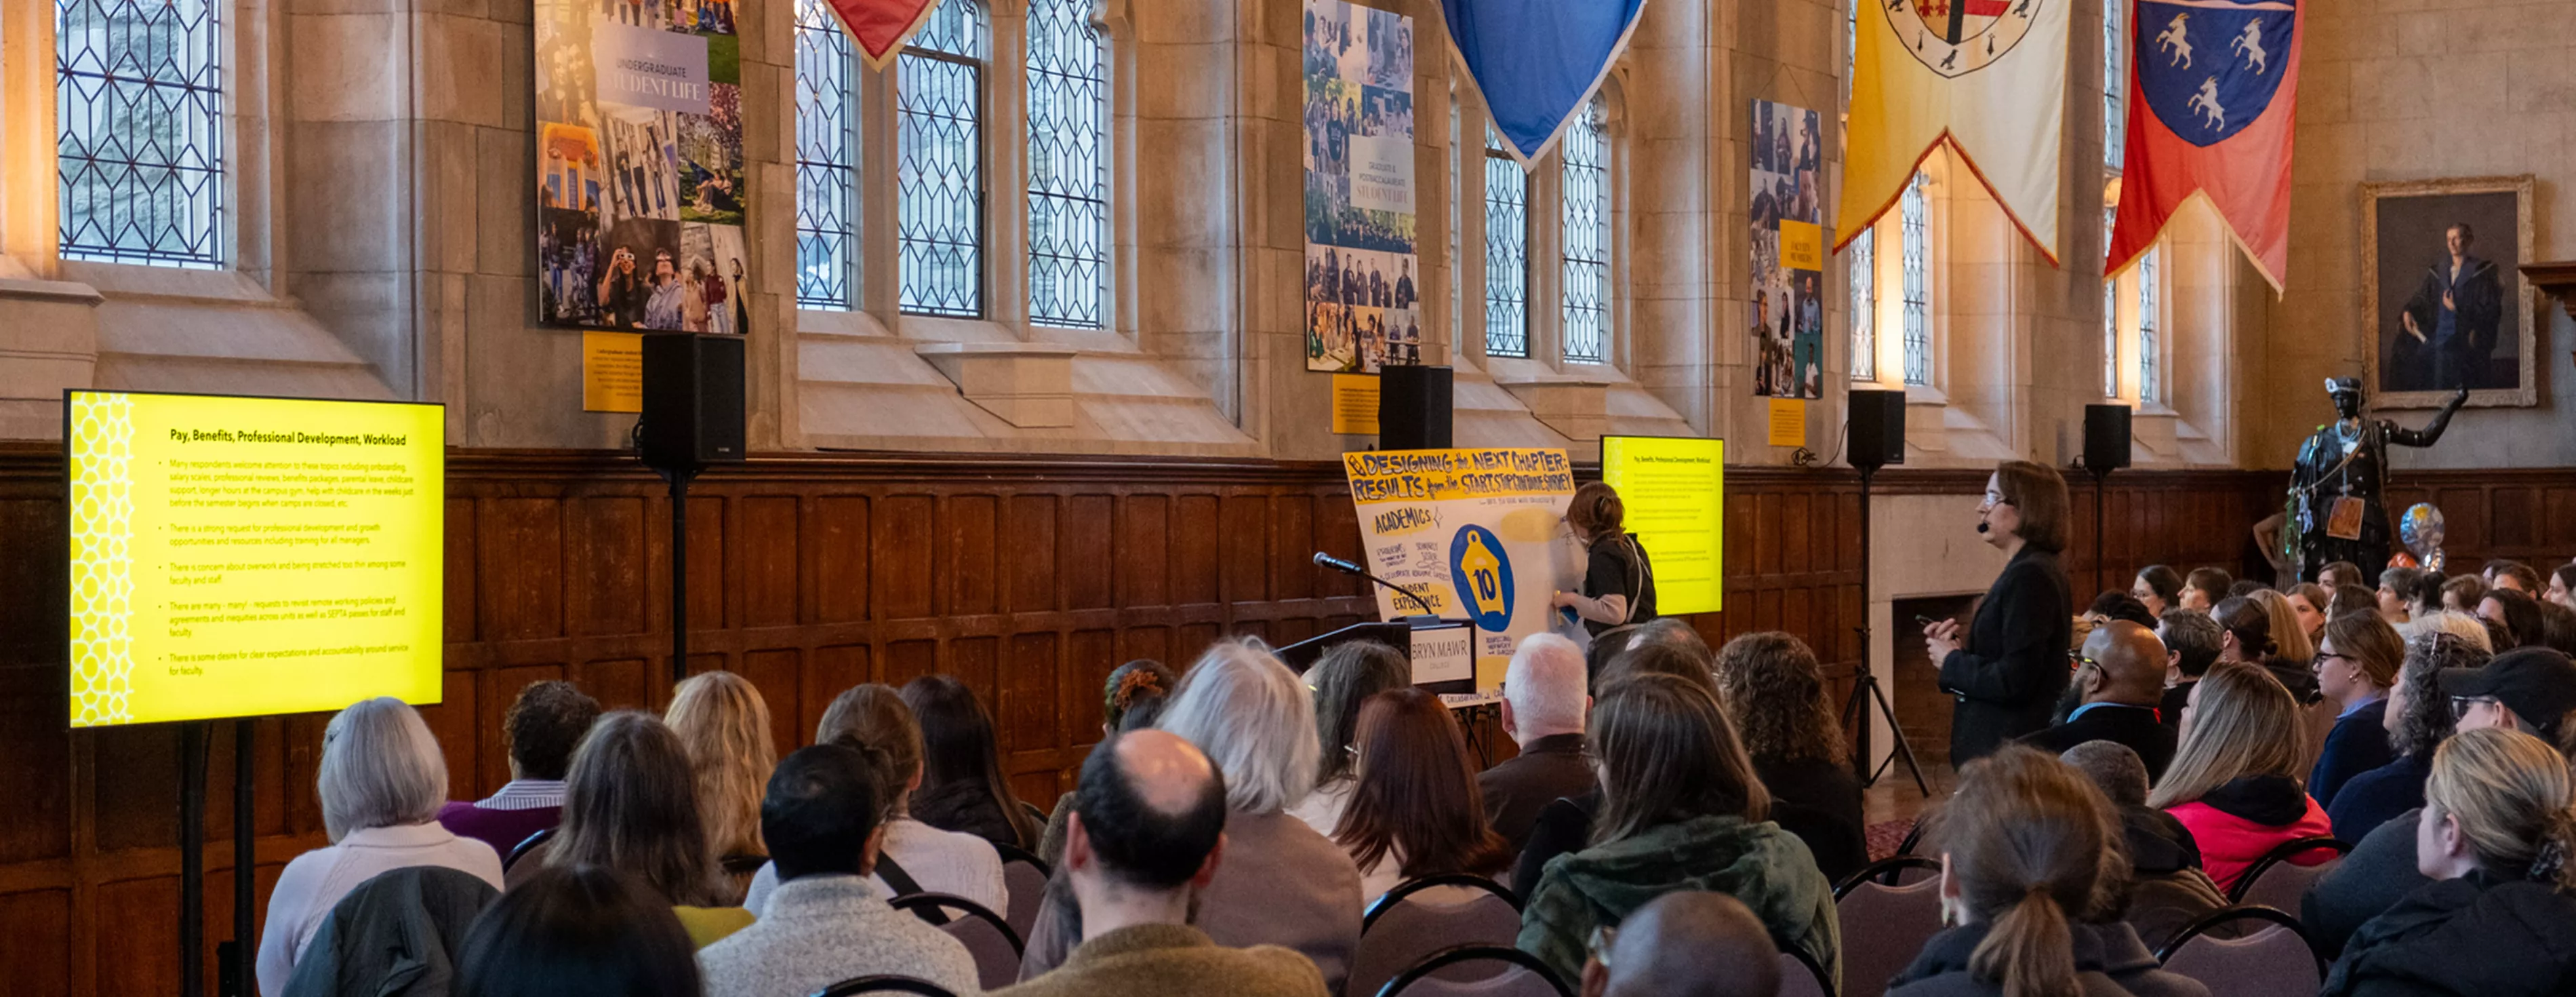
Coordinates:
(2445, 303)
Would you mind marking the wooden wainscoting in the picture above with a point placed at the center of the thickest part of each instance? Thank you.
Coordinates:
(1028, 577)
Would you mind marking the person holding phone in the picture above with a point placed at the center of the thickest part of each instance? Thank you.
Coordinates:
(2008, 672)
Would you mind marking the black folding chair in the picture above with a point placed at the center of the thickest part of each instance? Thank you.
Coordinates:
(997, 949)
(1519, 975)
(526, 845)
(883, 984)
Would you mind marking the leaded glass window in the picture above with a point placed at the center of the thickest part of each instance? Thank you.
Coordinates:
(139, 100)
(2115, 84)
(1862, 257)
(939, 171)
(1068, 166)
(1585, 151)
(1506, 252)
(2110, 315)
(2147, 305)
(1915, 211)
(827, 160)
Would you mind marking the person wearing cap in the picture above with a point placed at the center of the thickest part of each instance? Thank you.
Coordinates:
(2339, 477)
(2532, 690)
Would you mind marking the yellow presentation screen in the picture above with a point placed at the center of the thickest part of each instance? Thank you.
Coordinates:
(237, 557)
(1674, 490)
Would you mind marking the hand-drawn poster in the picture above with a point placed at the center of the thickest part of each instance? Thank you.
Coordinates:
(1473, 532)
(639, 165)
(1788, 253)
(1363, 288)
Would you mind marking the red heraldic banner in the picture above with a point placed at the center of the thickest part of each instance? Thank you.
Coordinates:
(882, 26)
(2213, 103)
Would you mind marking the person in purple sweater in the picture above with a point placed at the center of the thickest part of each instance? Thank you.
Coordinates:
(543, 726)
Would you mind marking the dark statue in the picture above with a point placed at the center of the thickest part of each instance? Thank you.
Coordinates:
(2336, 485)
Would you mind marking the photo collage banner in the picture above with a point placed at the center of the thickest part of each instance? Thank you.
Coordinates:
(1788, 253)
(1363, 286)
(639, 165)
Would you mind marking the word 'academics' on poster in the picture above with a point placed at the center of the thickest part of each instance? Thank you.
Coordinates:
(1788, 253)
(1363, 297)
(1470, 531)
(236, 557)
(1674, 490)
(639, 167)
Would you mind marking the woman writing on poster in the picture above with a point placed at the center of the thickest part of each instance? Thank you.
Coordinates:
(2009, 671)
(1618, 581)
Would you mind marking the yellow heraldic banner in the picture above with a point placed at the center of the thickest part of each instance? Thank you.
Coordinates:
(1987, 76)
(1471, 531)
(236, 557)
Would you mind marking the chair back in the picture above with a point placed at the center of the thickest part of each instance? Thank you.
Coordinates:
(1801, 977)
(525, 845)
(1423, 916)
(987, 937)
(1025, 876)
(398, 934)
(883, 984)
(1487, 971)
(2276, 882)
(1887, 910)
(2272, 956)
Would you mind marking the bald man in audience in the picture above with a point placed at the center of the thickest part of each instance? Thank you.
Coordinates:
(1543, 708)
(1687, 942)
(2121, 676)
(1144, 839)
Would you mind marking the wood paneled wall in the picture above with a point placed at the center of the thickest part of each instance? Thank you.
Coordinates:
(1030, 578)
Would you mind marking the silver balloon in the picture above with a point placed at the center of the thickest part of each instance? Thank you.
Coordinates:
(2421, 530)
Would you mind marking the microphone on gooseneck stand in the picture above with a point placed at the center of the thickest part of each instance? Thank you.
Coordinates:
(1324, 560)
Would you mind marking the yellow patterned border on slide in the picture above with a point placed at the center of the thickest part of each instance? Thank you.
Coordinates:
(102, 513)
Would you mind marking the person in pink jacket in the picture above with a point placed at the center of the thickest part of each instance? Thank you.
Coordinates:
(2234, 780)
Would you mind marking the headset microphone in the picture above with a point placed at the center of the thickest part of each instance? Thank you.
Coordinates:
(1982, 527)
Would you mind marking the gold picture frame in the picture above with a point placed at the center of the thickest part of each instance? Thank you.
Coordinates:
(2403, 228)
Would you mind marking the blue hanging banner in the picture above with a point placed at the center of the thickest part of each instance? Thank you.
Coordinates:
(1536, 61)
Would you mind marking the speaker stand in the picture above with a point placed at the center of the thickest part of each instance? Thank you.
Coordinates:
(1865, 684)
(679, 478)
(2100, 528)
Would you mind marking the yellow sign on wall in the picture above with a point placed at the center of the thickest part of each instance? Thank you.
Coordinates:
(612, 372)
(1355, 404)
(237, 557)
(1788, 423)
(1674, 488)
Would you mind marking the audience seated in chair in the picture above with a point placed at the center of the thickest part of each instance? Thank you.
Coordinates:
(724, 724)
(2157, 588)
(1685, 942)
(2234, 781)
(823, 819)
(2204, 588)
(2557, 627)
(2416, 718)
(630, 805)
(1774, 692)
(1283, 883)
(963, 788)
(1146, 840)
(381, 782)
(2120, 677)
(542, 727)
(1565, 825)
(2499, 917)
(2021, 848)
(915, 857)
(396, 935)
(1133, 699)
(2512, 692)
(2356, 665)
(2166, 886)
(1543, 708)
(2519, 614)
(1346, 676)
(1681, 809)
(1414, 809)
(579, 931)
(2113, 605)
(2191, 641)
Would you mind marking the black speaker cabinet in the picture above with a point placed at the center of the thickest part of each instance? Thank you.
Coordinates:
(2106, 437)
(692, 400)
(1877, 429)
(1413, 408)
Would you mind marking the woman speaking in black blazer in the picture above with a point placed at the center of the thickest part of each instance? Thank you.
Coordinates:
(2009, 673)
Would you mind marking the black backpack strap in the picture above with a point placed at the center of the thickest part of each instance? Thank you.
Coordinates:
(904, 885)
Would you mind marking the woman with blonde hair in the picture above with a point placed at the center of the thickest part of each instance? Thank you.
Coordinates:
(2499, 918)
(2292, 649)
(1774, 691)
(914, 857)
(381, 782)
(2032, 858)
(1681, 809)
(2356, 667)
(630, 805)
(724, 724)
(2234, 778)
